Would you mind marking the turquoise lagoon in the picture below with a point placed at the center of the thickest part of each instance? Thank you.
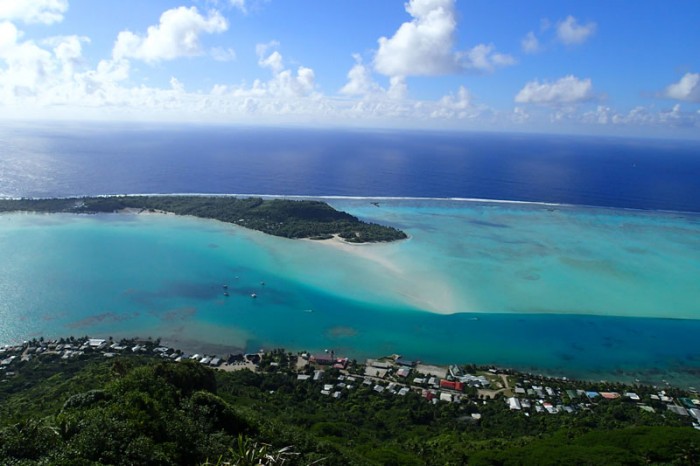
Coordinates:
(568, 291)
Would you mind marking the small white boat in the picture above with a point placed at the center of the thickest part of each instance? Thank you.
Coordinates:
(253, 295)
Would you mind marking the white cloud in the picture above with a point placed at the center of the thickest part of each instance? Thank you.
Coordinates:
(272, 61)
(28, 66)
(177, 35)
(424, 45)
(530, 43)
(454, 106)
(9, 34)
(566, 90)
(284, 83)
(483, 58)
(687, 89)
(397, 88)
(570, 32)
(360, 80)
(33, 11)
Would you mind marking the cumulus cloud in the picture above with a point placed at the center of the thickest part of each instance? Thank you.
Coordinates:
(33, 11)
(484, 58)
(360, 80)
(28, 65)
(530, 43)
(570, 32)
(567, 90)
(177, 35)
(454, 106)
(424, 46)
(687, 89)
(273, 61)
(360, 83)
(284, 82)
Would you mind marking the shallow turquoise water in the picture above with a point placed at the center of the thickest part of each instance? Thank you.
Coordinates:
(593, 293)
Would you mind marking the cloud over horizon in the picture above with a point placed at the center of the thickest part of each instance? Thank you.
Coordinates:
(176, 35)
(424, 46)
(687, 89)
(566, 90)
(421, 75)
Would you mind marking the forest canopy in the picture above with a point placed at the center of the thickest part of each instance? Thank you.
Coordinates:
(278, 217)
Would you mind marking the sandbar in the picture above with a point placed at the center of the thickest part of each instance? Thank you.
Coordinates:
(416, 286)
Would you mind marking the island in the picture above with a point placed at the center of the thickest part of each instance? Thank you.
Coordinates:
(278, 217)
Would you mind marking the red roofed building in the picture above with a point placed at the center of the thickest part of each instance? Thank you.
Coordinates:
(452, 385)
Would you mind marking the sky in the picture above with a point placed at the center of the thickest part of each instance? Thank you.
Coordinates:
(624, 67)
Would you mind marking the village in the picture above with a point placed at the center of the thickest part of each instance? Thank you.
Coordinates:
(336, 376)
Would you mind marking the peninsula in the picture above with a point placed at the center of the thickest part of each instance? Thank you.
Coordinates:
(278, 217)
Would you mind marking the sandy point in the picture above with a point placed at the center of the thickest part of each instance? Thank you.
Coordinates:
(426, 291)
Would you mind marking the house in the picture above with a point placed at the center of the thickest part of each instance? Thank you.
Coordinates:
(340, 363)
(403, 372)
(681, 411)
(380, 364)
(451, 385)
(695, 412)
(513, 403)
(323, 359)
(97, 343)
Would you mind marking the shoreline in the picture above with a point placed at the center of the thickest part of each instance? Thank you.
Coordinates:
(187, 348)
(456, 199)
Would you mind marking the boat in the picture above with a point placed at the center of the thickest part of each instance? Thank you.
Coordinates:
(225, 293)
(253, 295)
(262, 283)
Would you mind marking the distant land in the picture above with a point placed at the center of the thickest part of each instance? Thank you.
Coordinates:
(278, 217)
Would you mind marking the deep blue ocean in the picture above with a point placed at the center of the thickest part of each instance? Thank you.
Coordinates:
(68, 160)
